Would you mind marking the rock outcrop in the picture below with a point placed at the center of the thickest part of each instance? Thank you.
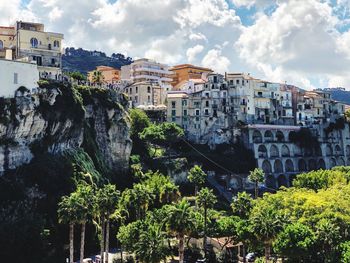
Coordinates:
(60, 117)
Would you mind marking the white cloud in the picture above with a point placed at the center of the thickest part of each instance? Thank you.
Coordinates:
(193, 52)
(215, 60)
(296, 43)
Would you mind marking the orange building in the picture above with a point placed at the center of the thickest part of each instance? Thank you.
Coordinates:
(110, 75)
(185, 72)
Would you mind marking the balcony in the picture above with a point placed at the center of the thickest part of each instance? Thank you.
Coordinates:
(149, 69)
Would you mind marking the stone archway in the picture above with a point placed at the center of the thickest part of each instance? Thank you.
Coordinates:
(332, 162)
(274, 151)
(278, 166)
(321, 164)
(280, 136)
(282, 181)
(302, 166)
(268, 136)
(289, 166)
(341, 161)
(262, 151)
(338, 150)
(329, 150)
(270, 181)
(266, 166)
(285, 151)
(347, 150)
(312, 165)
(257, 137)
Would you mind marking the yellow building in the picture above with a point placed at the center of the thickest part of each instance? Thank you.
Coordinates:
(110, 75)
(30, 42)
(185, 72)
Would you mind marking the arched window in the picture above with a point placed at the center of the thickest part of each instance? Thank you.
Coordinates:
(312, 165)
(329, 150)
(289, 166)
(285, 151)
(278, 167)
(268, 136)
(56, 43)
(34, 42)
(341, 161)
(279, 136)
(302, 165)
(274, 151)
(270, 181)
(257, 137)
(262, 151)
(1, 44)
(282, 180)
(321, 164)
(266, 166)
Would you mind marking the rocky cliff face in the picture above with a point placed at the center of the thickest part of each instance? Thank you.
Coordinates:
(61, 117)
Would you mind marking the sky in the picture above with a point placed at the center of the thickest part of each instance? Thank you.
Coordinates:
(300, 42)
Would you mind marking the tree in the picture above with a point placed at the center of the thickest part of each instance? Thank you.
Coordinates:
(139, 121)
(205, 199)
(345, 247)
(77, 76)
(85, 205)
(179, 222)
(242, 204)
(256, 176)
(197, 176)
(151, 245)
(267, 221)
(97, 77)
(107, 200)
(67, 214)
(295, 242)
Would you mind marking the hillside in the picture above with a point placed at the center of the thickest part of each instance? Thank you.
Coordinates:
(83, 60)
(340, 94)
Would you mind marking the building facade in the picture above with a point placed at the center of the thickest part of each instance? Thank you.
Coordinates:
(186, 72)
(30, 42)
(16, 74)
(110, 75)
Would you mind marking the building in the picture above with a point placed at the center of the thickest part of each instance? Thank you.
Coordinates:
(110, 75)
(145, 94)
(15, 75)
(186, 72)
(30, 42)
(282, 159)
(146, 70)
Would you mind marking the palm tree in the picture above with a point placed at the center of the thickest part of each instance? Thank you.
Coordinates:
(151, 246)
(205, 199)
(180, 222)
(107, 199)
(97, 77)
(84, 209)
(257, 176)
(67, 214)
(197, 176)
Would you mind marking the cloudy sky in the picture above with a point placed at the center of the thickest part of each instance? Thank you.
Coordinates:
(302, 42)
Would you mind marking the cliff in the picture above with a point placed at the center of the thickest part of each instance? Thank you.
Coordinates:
(59, 118)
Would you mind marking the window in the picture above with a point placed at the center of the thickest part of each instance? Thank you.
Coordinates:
(137, 89)
(197, 113)
(149, 89)
(34, 42)
(130, 90)
(15, 78)
(136, 99)
(53, 61)
(206, 112)
(237, 81)
(184, 103)
(173, 119)
(56, 43)
(207, 103)
(1, 44)
(173, 104)
(185, 112)
(173, 113)
(149, 98)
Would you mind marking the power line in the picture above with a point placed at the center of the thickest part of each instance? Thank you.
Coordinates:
(218, 165)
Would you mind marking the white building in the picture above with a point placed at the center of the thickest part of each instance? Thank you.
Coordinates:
(16, 74)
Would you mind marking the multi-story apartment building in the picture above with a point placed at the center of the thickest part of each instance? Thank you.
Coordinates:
(110, 75)
(145, 95)
(30, 42)
(186, 72)
(144, 69)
